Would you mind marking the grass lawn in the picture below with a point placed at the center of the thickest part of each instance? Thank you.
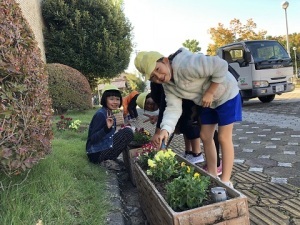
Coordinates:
(64, 188)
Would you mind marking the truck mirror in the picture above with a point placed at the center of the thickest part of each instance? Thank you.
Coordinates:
(247, 56)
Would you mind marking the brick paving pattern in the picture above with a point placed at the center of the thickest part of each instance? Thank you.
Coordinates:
(267, 158)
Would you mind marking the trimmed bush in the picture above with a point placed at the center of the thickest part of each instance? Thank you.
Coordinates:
(92, 36)
(69, 89)
(25, 106)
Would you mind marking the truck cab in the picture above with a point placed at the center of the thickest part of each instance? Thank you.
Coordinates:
(264, 66)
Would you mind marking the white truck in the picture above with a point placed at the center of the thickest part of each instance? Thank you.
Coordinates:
(264, 66)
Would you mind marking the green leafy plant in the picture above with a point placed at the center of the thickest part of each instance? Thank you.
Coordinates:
(75, 125)
(187, 191)
(64, 123)
(163, 165)
(115, 111)
(183, 188)
(141, 136)
(148, 152)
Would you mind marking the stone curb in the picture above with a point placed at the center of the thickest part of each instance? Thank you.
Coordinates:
(115, 217)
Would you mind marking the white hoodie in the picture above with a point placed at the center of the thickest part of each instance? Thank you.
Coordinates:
(193, 74)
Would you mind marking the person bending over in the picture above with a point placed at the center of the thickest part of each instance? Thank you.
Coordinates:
(207, 82)
(188, 125)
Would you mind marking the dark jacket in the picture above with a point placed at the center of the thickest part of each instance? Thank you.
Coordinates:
(159, 97)
(100, 137)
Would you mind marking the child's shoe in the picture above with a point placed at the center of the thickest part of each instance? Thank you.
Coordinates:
(219, 168)
(187, 154)
(229, 184)
(192, 158)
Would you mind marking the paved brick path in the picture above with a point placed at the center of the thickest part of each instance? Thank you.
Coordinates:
(267, 158)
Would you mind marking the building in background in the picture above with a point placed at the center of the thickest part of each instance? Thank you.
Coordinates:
(119, 82)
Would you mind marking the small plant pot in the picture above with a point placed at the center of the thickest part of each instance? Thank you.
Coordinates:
(119, 118)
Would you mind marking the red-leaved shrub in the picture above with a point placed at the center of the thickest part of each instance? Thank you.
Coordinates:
(69, 89)
(25, 106)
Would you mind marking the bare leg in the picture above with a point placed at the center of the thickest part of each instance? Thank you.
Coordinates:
(225, 140)
(207, 134)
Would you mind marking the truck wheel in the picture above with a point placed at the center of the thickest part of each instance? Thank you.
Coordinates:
(266, 99)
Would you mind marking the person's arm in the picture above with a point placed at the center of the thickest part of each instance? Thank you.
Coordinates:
(151, 118)
(132, 107)
(171, 115)
(155, 140)
(172, 111)
(208, 96)
(99, 128)
(159, 97)
(214, 67)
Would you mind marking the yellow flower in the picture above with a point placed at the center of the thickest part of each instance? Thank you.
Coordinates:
(160, 154)
(196, 175)
(157, 158)
(182, 164)
(171, 152)
(151, 163)
(167, 155)
(188, 169)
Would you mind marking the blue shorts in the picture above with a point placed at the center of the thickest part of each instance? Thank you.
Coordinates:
(227, 113)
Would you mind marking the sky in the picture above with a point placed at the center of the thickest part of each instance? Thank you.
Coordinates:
(163, 25)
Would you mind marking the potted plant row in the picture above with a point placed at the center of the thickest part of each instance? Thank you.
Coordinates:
(174, 192)
(140, 142)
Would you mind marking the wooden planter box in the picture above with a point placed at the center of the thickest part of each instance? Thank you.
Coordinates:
(128, 158)
(230, 212)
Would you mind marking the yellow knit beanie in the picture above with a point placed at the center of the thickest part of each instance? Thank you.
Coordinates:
(137, 62)
(141, 99)
(145, 62)
(109, 87)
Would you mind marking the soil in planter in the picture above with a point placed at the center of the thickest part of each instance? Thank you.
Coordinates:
(161, 187)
